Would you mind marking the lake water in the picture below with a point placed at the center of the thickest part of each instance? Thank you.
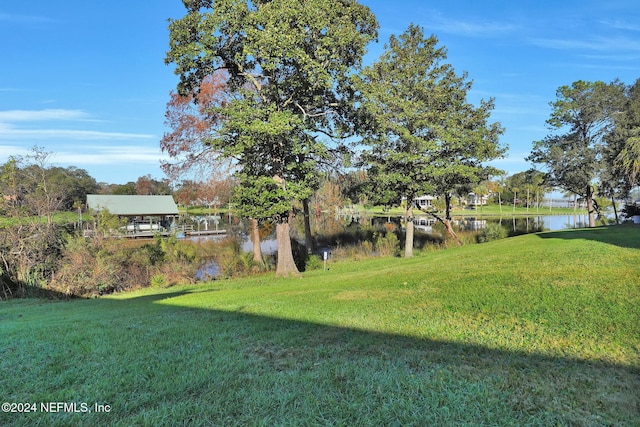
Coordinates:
(541, 222)
(520, 224)
(515, 225)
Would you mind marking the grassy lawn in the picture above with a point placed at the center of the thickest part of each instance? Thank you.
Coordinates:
(533, 330)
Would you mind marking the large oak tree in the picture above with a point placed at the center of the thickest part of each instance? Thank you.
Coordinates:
(288, 64)
(422, 134)
(573, 158)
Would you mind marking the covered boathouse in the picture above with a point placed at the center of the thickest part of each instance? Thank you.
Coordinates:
(146, 215)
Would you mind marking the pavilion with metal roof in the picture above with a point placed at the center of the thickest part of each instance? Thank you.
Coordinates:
(145, 213)
(132, 206)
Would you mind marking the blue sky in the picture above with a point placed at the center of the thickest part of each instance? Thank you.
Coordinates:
(86, 80)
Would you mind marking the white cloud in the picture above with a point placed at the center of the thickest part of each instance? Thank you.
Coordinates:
(12, 133)
(622, 25)
(111, 155)
(600, 44)
(41, 115)
(9, 118)
(471, 28)
(93, 155)
(7, 151)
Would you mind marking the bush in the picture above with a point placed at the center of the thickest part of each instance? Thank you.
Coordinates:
(313, 263)
(491, 232)
(159, 281)
(90, 267)
(422, 240)
(228, 257)
(29, 255)
(387, 244)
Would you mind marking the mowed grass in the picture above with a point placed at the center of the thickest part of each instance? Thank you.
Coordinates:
(533, 330)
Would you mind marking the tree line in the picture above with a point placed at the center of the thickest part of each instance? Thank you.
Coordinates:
(279, 93)
(275, 93)
(274, 97)
(29, 185)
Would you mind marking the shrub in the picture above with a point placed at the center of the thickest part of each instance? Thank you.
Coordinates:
(353, 252)
(228, 257)
(491, 232)
(90, 267)
(367, 248)
(29, 254)
(387, 244)
(313, 263)
(423, 240)
(159, 281)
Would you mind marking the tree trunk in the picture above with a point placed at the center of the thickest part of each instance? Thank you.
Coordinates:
(308, 240)
(446, 221)
(286, 266)
(590, 209)
(447, 224)
(447, 207)
(408, 242)
(615, 209)
(254, 234)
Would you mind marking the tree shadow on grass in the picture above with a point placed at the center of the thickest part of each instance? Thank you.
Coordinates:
(173, 364)
(623, 235)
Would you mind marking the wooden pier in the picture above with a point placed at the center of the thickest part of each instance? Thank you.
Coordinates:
(150, 234)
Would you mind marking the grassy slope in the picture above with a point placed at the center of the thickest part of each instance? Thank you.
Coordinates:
(533, 330)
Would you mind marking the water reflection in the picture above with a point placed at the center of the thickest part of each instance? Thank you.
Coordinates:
(268, 246)
(515, 225)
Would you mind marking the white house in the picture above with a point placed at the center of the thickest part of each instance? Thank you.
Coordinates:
(423, 201)
(478, 200)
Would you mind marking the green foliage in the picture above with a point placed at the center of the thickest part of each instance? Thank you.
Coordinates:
(229, 258)
(623, 144)
(422, 134)
(314, 263)
(128, 189)
(73, 184)
(108, 223)
(100, 265)
(287, 64)
(158, 281)
(29, 255)
(630, 209)
(525, 186)
(387, 244)
(585, 113)
(491, 232)
(261, 198)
